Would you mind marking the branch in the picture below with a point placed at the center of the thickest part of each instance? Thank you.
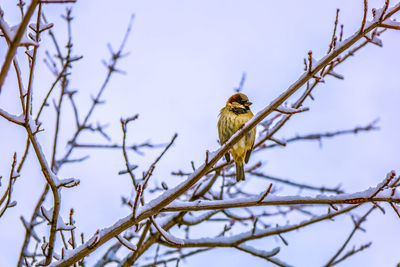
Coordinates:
(357, 225)
(114, 59)
(235, 240)
(7, 194)
(126, 243)
(159, 157)
(299, 185)
(118, 146)
(192, 220)
(156, 205)
(264, 195)
(12, 118)
(16, 40)
(57, 1)
(263, 254)
(167, 236)
(241, 84)
(369, 195)
(51, 181)
(180, 257)
(352, 252)
(289, 110)
(318, 136)
(140, 243)
(124, 125)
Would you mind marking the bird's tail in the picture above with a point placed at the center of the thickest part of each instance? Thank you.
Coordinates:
(239, 171)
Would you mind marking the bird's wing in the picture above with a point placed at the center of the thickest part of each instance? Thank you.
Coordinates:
(247, 157)
(253, 138)
(224, 132)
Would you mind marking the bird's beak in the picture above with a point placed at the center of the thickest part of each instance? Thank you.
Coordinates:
(248, 103)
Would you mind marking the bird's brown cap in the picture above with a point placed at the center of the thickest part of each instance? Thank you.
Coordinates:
(238, 98)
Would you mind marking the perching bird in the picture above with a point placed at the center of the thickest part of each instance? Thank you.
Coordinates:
(231, 118)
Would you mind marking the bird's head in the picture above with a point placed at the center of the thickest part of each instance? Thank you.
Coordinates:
(239, 100)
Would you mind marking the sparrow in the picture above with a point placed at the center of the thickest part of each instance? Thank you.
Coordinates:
(231, 118)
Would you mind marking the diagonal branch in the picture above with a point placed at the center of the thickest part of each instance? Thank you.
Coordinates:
(380, 193)
(356, 227)
(267, 255)
(156, 205)
(7, 194)
(15, 42)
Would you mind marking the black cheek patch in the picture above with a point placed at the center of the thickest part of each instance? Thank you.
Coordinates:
(238, 111)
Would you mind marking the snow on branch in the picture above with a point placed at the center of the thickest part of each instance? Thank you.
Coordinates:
(167, 236)
(68, 183)
(61, 225)
(193, 220)
(11, 31)
(380, 193)
(257, 252)
(167, 201)
(288, 110)
(126, 243)
(391, 24)
(172, 194)
(15, 42)
(15, 119)
(234, 240)
(42, 26)
(267, 255)
(28, 227)
(57, 1)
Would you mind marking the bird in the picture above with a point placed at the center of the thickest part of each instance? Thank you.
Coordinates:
(231, 118)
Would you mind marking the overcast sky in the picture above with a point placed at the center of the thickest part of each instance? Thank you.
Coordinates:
(186, 57)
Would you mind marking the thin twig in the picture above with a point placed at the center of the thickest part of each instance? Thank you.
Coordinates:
(15, 42)
(364, 15)
(124, 125)
(174, 193)
(296, 184)
(356, 227)
(7, 193)
(265, 194)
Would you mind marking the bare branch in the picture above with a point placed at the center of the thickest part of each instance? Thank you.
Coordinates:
(262, 254)
(16, 41)
(199, 190)
(299, 185)
(241, 84)
(352, 252)
(356, 227)
(7, 194)
(257, 233)
(356, 198)
(168, 237)
(126, 243)
(170, 195)
(365, 15)
(124, 124)
(264, 195)
(319, 136)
